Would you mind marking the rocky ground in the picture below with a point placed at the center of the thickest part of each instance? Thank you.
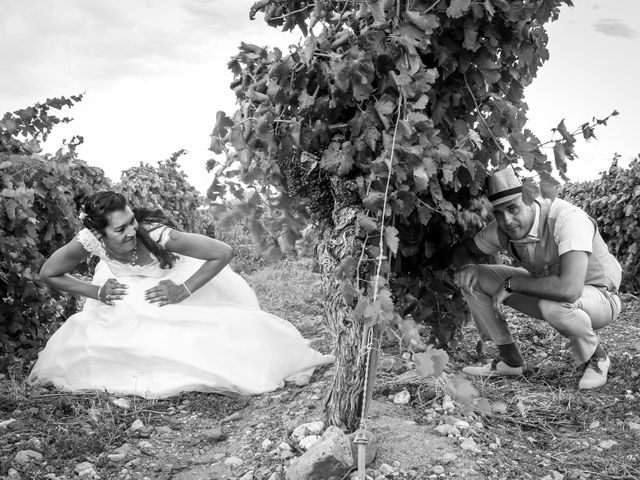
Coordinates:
(538, 427)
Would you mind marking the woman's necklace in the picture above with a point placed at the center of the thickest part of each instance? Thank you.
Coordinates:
(131, 259)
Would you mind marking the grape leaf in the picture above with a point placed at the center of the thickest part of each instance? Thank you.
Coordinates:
(457, 8)
(431, 363)
(391, 238)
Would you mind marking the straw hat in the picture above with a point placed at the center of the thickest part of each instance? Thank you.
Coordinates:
(503, 186)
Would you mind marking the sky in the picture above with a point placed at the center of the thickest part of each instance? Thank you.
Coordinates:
(154, 74)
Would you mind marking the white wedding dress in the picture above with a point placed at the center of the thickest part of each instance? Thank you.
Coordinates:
(217, 340)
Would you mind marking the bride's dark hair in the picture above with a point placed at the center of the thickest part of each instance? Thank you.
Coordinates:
(99, 205)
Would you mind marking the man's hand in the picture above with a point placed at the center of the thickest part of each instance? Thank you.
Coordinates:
(498, 301)
(466, 278)
(166, 292)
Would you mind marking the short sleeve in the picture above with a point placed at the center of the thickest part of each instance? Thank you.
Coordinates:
(90, 243)
(487, 239)
(160, 233)
(574, 231)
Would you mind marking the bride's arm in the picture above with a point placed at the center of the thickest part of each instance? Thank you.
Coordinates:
(216, 256)
(55, 271)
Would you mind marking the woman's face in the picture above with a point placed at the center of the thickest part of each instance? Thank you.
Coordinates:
(120, 234)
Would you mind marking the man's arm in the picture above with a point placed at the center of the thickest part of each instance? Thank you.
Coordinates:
(466, 253)
(565, 287)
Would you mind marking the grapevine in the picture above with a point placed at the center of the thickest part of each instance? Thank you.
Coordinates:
(437, 86)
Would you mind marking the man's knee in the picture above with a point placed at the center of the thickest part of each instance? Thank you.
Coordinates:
(565, 317)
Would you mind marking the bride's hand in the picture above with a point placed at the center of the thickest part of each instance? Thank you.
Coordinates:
(112, 290)
(166, 292)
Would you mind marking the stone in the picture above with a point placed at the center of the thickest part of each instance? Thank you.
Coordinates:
(86, 470)
(555, 475)
(23, 457)
(214, 435)
(371, 448)
(35, 444)
(448, 406)
(448, 458)
(117, 457)
(13, 474)
(275, 476)
(233, 462)
(4, 425)
(330, 458)
(446, 429)
(122, 403)
(247, 476)
(633, 426)
(292, 424)
(438, 469)
(470, 445)
(386, 469)
(308, 441)
(461, 425)
(146, 447)
(266, 444)
(306, 429)
(402, 398)
(607, 444)
(136, 425)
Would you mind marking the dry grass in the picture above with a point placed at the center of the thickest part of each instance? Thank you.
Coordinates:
(288, 289)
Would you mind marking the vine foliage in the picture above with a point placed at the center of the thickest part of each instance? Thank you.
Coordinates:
(40, 195)
(166, 187)
(614, 201)
(396, 107)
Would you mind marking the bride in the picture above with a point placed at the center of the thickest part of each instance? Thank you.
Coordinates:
(164, 314)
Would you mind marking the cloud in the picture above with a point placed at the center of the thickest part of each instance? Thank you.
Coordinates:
(614, 28)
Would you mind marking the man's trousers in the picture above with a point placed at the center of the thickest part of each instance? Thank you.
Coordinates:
(596, 308)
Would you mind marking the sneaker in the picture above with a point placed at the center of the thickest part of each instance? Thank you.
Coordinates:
(595, 373)
(496, 367)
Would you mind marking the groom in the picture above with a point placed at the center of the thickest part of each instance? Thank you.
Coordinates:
(563, 274)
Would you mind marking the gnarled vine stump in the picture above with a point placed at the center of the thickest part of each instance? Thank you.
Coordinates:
(349, 336)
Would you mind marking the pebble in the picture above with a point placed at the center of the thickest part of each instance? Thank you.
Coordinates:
(4, 425)
(117, 457)
(122, 403)
(607, 444)
(233, 462)
(136, 425)
(446, 429)
(23, 457)
(470, 445)
(146, 447)
(386, 469)
(633, 426)
(448, 458)
(214, 435)
(402, 398)
(438, 469)
(35, 444)
(307, 442)
(86, 469)
(247, 476)
(266, 444)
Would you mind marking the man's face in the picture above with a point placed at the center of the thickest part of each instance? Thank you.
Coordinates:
(515, 217)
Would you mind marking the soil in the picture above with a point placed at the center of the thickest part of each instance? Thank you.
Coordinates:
(536, 427)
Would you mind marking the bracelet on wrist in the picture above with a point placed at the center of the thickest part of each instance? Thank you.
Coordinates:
(186, 288)
(100, 292)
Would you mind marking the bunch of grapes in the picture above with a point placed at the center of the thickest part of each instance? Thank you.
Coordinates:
(321, 199)
(307, 184)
